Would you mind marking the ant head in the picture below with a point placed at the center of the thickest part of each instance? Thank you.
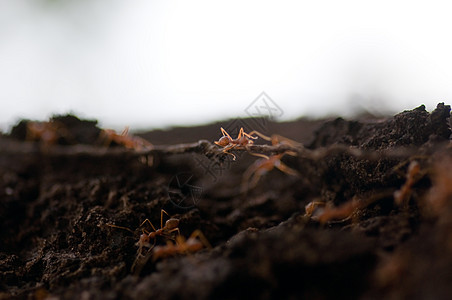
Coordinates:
(223, 141)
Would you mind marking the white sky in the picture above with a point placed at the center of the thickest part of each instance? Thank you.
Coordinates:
(158, 63)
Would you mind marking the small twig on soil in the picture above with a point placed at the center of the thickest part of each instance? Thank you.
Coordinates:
(201, 147)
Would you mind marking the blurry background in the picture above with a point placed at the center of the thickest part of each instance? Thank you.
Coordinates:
(153, 64)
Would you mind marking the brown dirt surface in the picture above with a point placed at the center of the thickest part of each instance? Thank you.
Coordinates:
(379, 225)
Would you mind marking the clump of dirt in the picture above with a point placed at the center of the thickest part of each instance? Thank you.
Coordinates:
(70, 216)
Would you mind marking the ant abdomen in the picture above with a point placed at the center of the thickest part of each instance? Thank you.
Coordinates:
(171, 223)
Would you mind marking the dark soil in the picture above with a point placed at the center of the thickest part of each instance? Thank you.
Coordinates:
(57, 202)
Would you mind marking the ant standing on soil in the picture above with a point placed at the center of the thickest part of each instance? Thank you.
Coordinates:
(245, 139)
(242, 141)
(171, 225)
(194, 243)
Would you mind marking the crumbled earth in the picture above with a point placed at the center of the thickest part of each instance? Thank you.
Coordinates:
(70, 220)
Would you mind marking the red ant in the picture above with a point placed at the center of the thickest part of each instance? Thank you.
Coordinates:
(128, 141)
(171, 225)
(244, 139)
(262, 166)
(194, 243)
(327, 212)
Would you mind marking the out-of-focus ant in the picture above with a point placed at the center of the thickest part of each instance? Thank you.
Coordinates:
(323, 213)
(48, 133)
(262, 166)
(107, 136)
(194, 243)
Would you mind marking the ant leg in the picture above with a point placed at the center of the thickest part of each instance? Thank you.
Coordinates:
(291, 153)
(147, 220)
(198, 234)
(246, 177)
(255, 171)
(249, 135)
(161, 217)
(248, 184)
(279, 139)
(227, 148)
(120, 227)
(233, 156)
(180, 240)
(225, 133)
(255, 179)
(276, 139)
(263, 136)
(283, 167)
(175, 229)
(241, 132)
(259, 155)
(125, 132)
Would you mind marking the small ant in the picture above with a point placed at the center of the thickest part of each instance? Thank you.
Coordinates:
(171, 225)
(262, 166)
(342, 212)
(228, 143)
(327, 212)
(194, 243)
(128, 141)
(244, 139)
